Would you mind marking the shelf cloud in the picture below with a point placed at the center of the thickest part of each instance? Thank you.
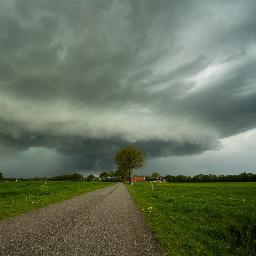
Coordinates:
(80, 79)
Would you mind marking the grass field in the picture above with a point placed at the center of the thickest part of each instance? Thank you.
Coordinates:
(19, 197)
(200, 218)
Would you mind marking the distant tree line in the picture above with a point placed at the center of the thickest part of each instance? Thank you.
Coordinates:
(118, 176)
(108, 176)
(69, 177)
(242, 177)
(113, 176)
(72, 177)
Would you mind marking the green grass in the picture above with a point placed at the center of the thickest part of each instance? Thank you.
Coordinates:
(200, 218)
(19, 197)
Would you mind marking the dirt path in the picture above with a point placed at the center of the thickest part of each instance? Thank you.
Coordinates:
(102, 222)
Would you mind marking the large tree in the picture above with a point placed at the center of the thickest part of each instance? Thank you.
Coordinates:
(122, 175)
(128, 159)
(1, 176)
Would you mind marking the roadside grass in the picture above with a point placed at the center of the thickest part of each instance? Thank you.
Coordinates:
(22, 196)
(200, 218)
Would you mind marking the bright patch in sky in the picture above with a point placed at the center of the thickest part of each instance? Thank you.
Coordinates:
(207, 76)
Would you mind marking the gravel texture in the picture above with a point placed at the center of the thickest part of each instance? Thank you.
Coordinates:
(102, 222)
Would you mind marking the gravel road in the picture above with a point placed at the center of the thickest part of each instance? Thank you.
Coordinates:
(102, 222)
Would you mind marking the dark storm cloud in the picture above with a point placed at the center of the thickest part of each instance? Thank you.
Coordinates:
(88, 77)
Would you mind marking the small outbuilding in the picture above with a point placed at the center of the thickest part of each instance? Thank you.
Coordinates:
(138, 179)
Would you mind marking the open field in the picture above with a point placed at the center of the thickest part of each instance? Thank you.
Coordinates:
(200, 218)
(22, 196)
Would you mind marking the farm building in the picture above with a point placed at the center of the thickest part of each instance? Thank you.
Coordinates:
(138, 179)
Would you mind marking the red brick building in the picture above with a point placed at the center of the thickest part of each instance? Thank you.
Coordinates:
(138, 179)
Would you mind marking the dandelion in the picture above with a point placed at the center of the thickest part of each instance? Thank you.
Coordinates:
(150, 209)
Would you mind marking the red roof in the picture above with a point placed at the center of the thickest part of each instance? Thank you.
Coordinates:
(138, 179)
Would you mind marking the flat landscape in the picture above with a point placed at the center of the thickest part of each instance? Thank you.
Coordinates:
(200, 218)
(186, 218)
(22, 196)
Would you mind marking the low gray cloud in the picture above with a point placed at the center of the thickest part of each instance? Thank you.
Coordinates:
(85, 78)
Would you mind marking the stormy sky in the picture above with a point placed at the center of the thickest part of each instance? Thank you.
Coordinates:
(81, 79)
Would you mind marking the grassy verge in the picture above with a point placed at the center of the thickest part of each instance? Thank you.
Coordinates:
(200, 218)
(19, 197)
